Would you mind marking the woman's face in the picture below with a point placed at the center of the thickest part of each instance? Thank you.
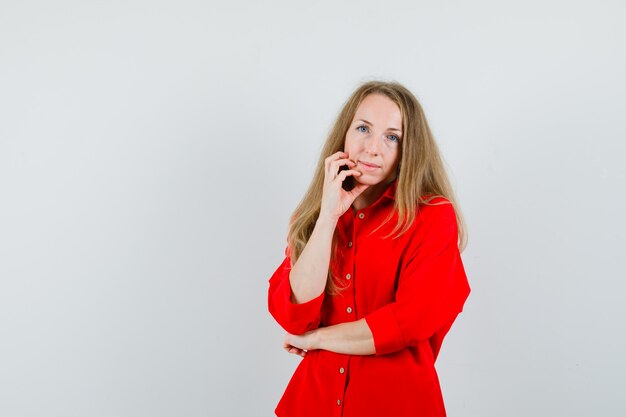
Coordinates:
(373, 139)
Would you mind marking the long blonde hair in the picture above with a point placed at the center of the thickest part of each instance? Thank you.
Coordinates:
(421, 171)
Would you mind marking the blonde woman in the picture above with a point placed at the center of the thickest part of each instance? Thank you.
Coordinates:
(372, 279)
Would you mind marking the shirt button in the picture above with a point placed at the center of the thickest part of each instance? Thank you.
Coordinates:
(341, 370)
(348, 276)
(349, 310)
(338, 402)
(350, 244)
(361, 215)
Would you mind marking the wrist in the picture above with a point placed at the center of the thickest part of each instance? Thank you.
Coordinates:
(326, 222)
(317, 338)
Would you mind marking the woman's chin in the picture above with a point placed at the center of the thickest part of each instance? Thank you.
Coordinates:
(368, 181)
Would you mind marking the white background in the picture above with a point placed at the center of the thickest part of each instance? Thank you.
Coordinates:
(151, 153)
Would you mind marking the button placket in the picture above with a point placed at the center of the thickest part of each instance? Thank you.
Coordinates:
(350, 294)
(342, 367)
(350, 245)
(343, 373)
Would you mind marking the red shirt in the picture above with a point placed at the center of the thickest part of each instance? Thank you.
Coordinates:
(409, 290)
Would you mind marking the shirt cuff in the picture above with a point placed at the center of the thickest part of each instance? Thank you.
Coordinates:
(385, 330)
(300, 317)
(294, 318)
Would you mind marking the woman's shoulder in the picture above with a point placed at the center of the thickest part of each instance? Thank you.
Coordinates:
(435, 213)
(433, 206)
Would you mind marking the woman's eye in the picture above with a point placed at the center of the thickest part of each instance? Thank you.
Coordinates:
(393, 138)
(362, 129)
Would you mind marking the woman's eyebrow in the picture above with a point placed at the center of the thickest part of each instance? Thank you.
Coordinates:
(389, 128)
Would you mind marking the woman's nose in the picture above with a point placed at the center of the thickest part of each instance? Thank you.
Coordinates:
(372, 145)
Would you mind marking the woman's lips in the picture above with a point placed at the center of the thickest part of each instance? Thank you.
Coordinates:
(368, 166)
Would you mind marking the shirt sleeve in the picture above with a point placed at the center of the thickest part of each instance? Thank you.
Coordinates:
(294, 318)
(432, 287)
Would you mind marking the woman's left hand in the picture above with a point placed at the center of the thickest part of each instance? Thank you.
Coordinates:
(300, 345)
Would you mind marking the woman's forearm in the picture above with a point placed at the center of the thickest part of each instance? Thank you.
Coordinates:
(352, 338)
(308, 275)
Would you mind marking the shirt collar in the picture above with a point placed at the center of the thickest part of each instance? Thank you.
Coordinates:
(390, 192)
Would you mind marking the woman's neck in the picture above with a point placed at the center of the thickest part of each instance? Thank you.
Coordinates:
(369, 196)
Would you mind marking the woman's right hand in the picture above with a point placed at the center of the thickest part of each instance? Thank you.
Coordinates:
(336, 200)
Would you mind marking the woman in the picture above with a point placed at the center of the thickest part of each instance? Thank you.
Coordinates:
(372, 279)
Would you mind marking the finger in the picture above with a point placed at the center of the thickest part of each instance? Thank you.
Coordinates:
(334, 156)
(358, 189)
(329, 160)
(291, 349)
(296, 351)
(335, 165)
(343, 174)
(338, 154)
